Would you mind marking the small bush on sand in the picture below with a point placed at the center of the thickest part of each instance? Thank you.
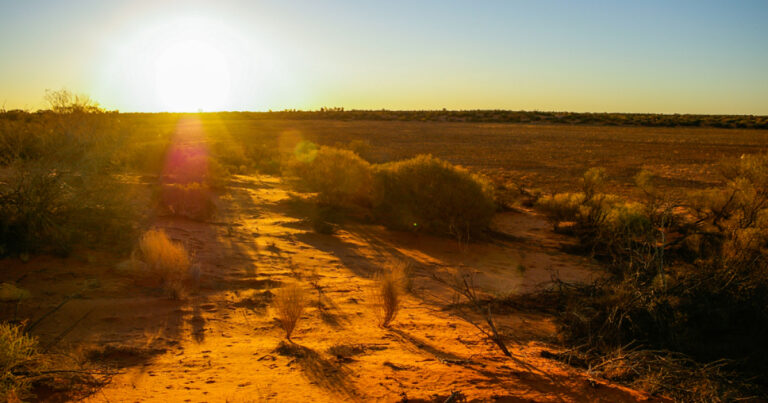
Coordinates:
(560, 207)
(17, 349)
(425, 193)
(340, 177)
(289, 303)
(387, 293)
(165, 259)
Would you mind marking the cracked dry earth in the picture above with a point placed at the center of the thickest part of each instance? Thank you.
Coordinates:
(222, 343)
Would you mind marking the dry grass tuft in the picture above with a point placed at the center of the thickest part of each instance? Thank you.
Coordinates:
(16, 350)
(387, 294)
(289, 302)
(166, 259)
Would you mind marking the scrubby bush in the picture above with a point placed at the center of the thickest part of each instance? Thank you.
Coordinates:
(420, 194)
(426, 193)
(264, 157)
(340, 177)
(165, 259)
(690, 280)
(362, 148)
(57, 188)
(560, 207)
(143, 156)
(17, 350)
(289, 303)
(50, 210)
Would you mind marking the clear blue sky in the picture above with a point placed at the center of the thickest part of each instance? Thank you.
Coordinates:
(617, 56)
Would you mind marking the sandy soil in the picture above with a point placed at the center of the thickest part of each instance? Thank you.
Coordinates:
(220, 342)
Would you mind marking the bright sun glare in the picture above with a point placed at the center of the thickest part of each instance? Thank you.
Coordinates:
(192, 75)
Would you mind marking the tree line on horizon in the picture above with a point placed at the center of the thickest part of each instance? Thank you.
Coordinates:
(481, 116)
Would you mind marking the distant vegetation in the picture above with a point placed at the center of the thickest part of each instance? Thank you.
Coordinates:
(498, 116)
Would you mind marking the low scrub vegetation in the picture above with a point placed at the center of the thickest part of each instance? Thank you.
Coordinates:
(166, 260)
(30, 371)
(340, 177)
(506, 116)
(687, 278)
(422, 193)
(57, 189)
(17, 353)
(431, 194)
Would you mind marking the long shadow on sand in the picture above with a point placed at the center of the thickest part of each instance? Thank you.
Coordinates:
(332, 377)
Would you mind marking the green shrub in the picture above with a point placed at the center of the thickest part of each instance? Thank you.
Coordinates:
(339, 177)
(425, 193)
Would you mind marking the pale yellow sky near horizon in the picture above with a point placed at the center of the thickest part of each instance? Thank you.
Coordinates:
(691, 57)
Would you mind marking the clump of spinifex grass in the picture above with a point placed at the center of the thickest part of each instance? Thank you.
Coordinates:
(16, 349)
(387, 295)
(165, 259)
(289, 303)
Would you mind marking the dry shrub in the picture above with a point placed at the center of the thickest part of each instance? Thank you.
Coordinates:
(691, 281)
(387, 294)
(340, 177)
(218, 175)
(44, 209)
(289, 303)
(362, 148)
(165, 259)
(143, 156)
(426, 193)
(17, 350)
(265, 158)
(25, 367)
(560, 207)
(57, 188)
(423, 193)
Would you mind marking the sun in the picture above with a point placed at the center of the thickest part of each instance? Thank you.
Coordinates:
(192, 75)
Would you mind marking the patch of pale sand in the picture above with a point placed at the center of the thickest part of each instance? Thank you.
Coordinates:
(219, 343)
